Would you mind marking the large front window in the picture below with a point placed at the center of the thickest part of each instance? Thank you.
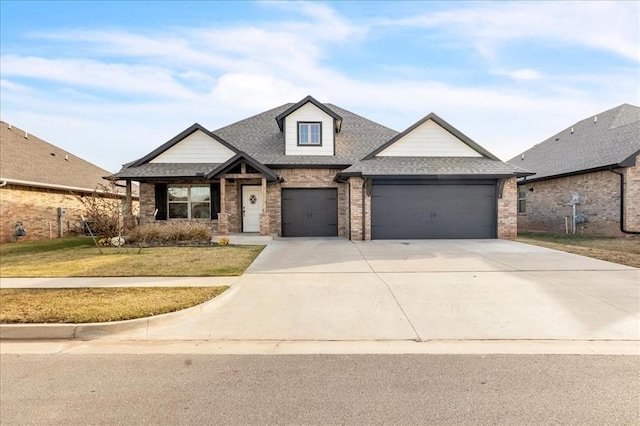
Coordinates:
(309, 133)
(189, 202)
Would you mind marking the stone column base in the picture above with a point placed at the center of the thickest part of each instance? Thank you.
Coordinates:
(223, 223)
(264, 223)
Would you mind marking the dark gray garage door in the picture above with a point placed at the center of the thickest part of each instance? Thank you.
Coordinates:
(310, 212)
(420, 211)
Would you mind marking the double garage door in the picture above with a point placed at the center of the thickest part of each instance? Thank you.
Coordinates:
(429, 210)
(310, 212)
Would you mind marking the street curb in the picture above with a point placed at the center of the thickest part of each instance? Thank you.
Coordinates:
(97, 330)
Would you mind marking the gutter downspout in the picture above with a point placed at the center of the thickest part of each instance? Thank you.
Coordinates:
(3, 183)
(622, 205)
(364, 194)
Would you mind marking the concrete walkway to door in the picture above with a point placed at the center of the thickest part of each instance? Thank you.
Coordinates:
(338, 290)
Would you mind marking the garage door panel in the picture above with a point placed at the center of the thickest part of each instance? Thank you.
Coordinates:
(433, 211)
(309, 212)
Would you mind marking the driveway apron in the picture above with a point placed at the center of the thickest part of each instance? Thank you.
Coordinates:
(335, 289)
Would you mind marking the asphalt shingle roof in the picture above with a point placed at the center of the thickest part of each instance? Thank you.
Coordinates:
(260, 137)
(167, 170)
(434, 166)
(587, 145)
(31, 159)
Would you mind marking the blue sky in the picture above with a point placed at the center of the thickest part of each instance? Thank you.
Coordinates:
(111, 81)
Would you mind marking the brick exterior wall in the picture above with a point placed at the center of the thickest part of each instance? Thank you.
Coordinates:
(547, 205)
(508, 210)
(632, 197)
(37, 209)
(148, 203)
(351, 222)
(355, 209)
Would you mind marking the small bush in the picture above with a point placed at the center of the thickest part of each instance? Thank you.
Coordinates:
(171, 232)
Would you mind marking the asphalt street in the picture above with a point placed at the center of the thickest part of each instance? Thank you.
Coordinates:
(319, 389)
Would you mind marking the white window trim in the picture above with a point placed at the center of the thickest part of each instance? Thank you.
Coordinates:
(188, 202)
(309, 125)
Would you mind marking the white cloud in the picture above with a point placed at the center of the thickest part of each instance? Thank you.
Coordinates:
(521, 74)
(608, 26)
(222, 74)
(119, 77)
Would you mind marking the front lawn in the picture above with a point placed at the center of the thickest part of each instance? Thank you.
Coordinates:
(78, 257)
(625, 251)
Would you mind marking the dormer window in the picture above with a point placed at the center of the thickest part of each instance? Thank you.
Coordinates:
(309, 133)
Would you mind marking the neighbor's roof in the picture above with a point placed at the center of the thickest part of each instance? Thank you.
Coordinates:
(31, 161)
(479, 167)
(605, 140)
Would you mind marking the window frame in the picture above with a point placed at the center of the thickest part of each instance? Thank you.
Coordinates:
(189, 202)
(522, 200)
(309, 125)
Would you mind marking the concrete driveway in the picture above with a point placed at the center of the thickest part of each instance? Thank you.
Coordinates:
(337, 290)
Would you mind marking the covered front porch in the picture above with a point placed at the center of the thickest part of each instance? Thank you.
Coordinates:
(231, 197)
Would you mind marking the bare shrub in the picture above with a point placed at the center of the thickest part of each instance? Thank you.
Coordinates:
(103, 210)
(171, 232)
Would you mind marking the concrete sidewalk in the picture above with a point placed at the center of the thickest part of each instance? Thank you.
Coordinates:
(334, 290)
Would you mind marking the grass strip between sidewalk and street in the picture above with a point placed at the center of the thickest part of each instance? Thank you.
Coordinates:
(624, 251)
(85, 305)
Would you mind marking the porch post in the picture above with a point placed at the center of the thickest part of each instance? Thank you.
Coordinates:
(264, 216)
(223, 217)
(129, 221)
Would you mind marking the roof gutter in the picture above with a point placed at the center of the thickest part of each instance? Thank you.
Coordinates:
(4, 182)
(622, 228)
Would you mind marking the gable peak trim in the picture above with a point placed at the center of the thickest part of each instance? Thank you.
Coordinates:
(179, 137)
(442, 123)
(337, 119)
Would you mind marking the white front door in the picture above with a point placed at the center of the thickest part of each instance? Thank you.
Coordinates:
(251, 208)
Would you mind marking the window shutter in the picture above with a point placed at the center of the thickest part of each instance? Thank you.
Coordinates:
(215, 200)
(161, 201)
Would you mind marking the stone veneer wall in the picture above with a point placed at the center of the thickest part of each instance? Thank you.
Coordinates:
(508, 210)
(37, 209)
(306, 178)
(547, 205)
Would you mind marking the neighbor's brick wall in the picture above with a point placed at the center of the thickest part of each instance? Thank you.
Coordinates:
(508, 210)
(37, 209)
(547, 205)
(306, 178)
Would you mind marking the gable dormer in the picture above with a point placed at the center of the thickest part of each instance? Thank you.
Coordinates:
(431, 137)
(309, 128)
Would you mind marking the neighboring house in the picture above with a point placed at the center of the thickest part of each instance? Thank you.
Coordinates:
(41, 186)
(591, 166)
(312, 169)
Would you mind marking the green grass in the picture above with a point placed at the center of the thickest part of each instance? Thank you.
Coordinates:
(21, 306)
(41, 246)
(625, 251)
(73, 257)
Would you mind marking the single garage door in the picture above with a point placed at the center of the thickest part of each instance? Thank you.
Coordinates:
(310, 212)
(421, 211)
